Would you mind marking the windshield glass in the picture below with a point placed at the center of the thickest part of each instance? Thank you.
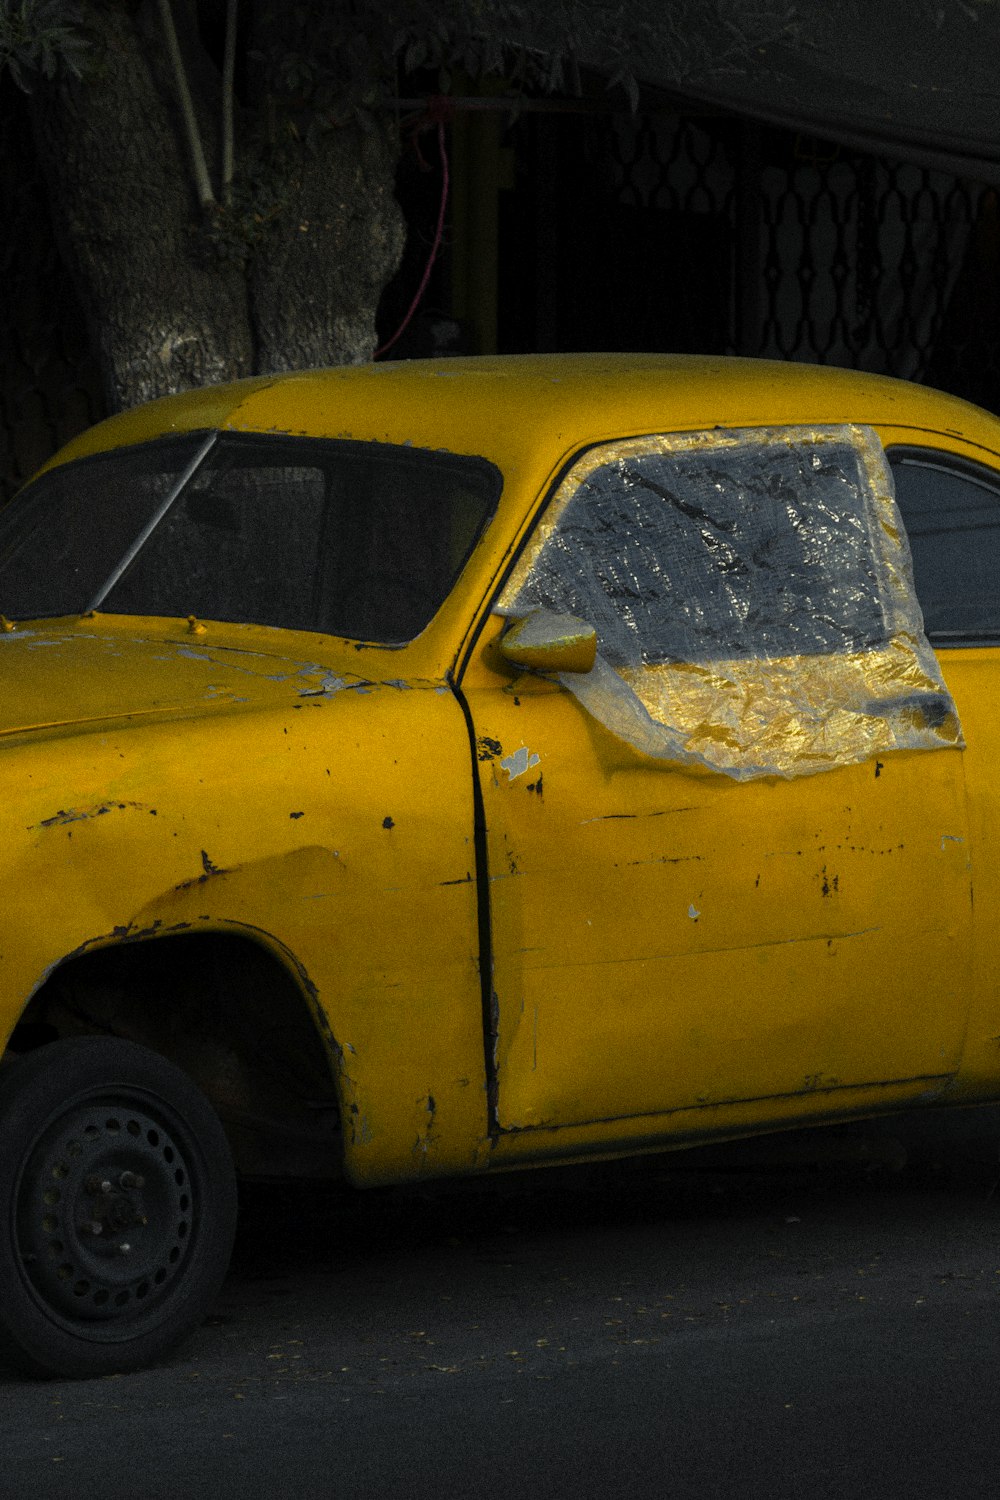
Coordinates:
(352, 539)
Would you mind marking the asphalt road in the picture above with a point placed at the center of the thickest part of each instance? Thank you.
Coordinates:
(625, 1330)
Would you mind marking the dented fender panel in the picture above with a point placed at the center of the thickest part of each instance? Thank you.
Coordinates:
(338, 827)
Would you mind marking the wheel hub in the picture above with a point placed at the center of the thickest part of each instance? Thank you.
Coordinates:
(105, 1212)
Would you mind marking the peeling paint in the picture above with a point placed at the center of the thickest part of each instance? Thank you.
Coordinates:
(79, 814)
(425, 1141)
(208, 870)
(519, 762)
(666, 859)
(323, 683)
(331, 685)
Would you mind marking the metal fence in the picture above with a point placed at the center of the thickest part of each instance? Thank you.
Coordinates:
(830, 255)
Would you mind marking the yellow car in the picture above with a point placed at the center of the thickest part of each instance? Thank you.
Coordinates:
(441, 768)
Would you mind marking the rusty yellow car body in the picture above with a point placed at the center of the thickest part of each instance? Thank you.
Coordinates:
(515, 937)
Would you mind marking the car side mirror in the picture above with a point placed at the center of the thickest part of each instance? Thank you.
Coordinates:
(547, 642)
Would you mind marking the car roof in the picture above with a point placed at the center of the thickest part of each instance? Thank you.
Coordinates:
(500, 405)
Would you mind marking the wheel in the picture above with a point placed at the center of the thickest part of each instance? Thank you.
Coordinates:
(117, 1207)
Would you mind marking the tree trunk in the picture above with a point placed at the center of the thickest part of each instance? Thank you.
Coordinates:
(317, 277)
(165, 314)
(167, 311)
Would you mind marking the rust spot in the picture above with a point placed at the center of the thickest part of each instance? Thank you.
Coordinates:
(535, 786)
(388, 823)
(878, 769)
(488, 749)
(296, 815)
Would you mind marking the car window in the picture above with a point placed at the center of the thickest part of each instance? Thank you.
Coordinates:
(695, 553)
(353, 539)
(951, 510)
(60, 536)
(752, 596)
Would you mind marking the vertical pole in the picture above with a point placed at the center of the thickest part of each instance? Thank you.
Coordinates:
(459, 219)
(475, 186)
(749, 264)
(484, 224)
(547, 202)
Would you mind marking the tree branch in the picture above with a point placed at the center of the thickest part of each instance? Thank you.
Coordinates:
(203, 182)
(228, 72)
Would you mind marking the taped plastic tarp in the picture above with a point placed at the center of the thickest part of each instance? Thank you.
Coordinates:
(752, 594)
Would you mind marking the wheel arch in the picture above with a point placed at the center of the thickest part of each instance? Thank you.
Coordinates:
(231, 1007)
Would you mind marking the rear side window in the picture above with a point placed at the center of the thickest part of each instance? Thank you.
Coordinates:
(363, 540)
(951, 511)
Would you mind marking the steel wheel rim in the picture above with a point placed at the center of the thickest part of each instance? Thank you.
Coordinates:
(105, 1211)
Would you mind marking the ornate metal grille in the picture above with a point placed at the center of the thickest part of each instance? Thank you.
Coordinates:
(831, 256)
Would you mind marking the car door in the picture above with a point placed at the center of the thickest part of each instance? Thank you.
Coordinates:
(729, 864)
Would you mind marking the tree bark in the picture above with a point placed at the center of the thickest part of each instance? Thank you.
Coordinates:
(167, 309)
(317, 278)
(164, 313)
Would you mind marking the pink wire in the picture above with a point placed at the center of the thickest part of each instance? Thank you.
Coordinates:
(421, 289)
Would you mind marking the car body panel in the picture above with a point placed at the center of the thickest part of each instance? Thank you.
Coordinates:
(511, 959)
(665, 938)
(334, 826)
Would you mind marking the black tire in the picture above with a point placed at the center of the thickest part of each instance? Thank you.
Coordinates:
(117, 1207)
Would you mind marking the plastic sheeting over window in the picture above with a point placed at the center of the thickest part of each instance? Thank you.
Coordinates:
(752, 594)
